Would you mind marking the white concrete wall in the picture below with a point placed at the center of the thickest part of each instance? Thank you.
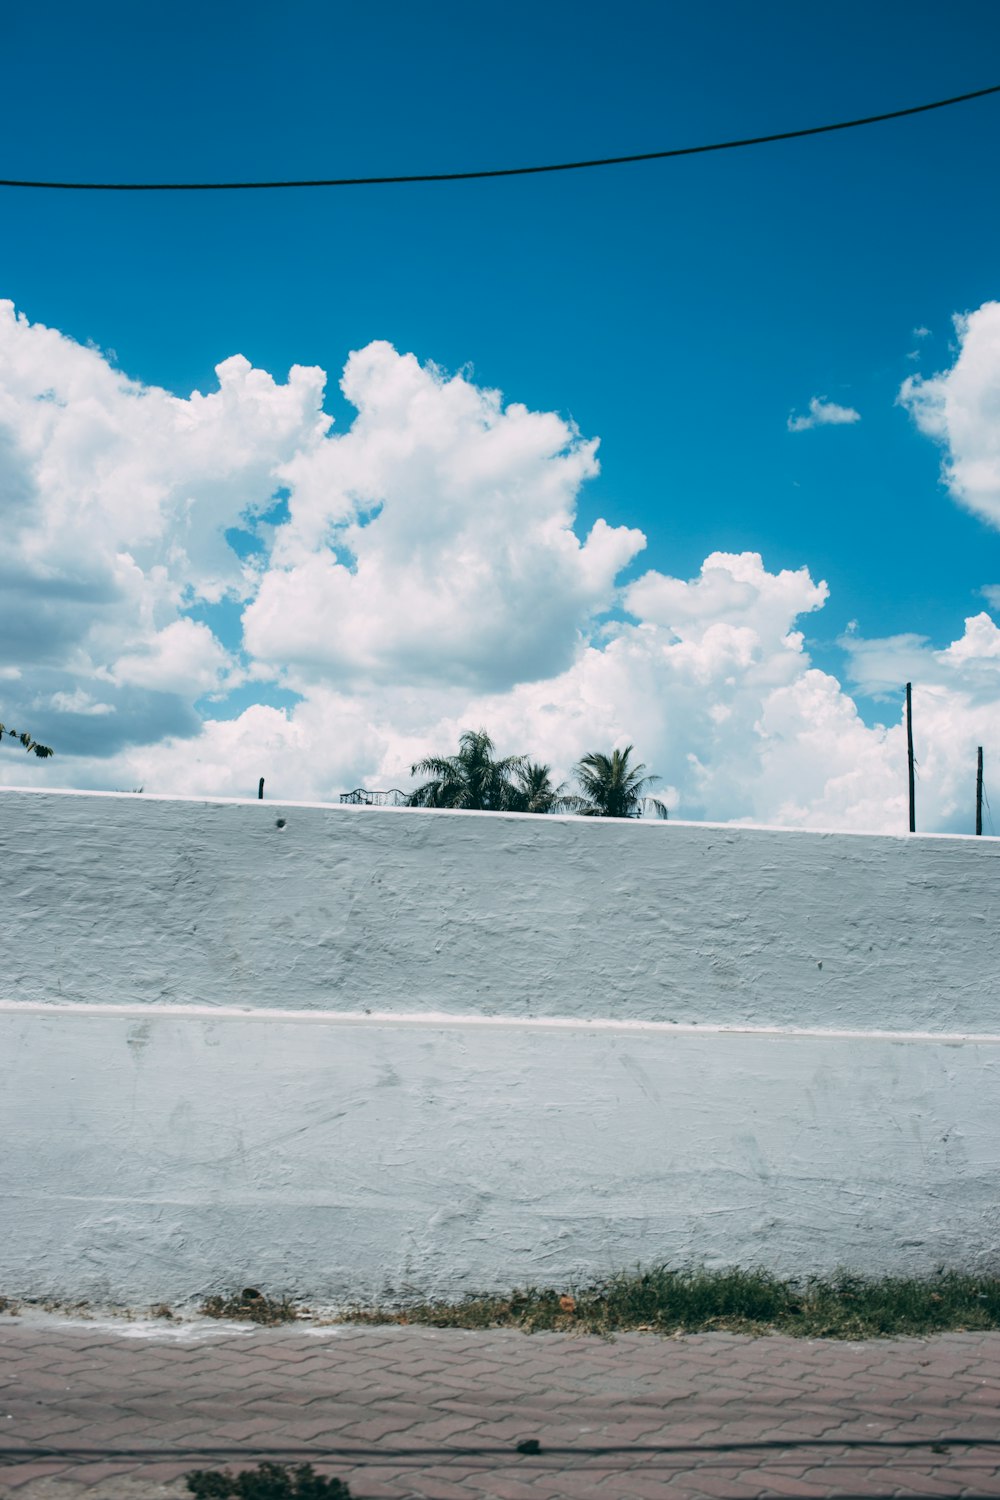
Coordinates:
(142, 900)
(559, 1074)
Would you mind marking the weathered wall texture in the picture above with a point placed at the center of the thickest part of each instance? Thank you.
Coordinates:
(195, 1098)
(138, 900)
(163, 1156)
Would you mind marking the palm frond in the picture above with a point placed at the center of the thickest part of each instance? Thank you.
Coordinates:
(612, 787)
(434, 765)
(472, 779)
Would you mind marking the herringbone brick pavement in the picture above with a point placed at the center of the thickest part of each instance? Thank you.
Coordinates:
(405, 1413)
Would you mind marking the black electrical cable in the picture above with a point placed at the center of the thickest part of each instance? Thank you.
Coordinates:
(563, 166)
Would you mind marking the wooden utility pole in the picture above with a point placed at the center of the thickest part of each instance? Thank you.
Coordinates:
(260, 789)
(979, 790)
(909, 755)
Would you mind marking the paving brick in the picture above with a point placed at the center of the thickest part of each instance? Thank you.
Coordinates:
(507, 1486)
(772, 1486)
(846, 1477)
(640, 1430)
(373, 1482)
(924, 1485)
(877, 1482)
(678, 1433)
(166, 1469)
(985, 1484)
(591, 1483)
(437, 1483)
(372, 1429)
(19, 1474)
(390, 1391)
(98, 1473)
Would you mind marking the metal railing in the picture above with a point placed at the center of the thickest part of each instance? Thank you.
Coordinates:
(363, 798)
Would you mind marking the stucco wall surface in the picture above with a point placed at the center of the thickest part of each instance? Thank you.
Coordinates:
(348, 1053)
(150, 1155)
(139, 900)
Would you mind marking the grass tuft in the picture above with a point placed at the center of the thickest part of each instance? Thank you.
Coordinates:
(250, 1306)
(267, 1482)
(664, 1301)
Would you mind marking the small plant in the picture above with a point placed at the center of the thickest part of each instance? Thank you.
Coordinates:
(250, 1306)
(267, 1482)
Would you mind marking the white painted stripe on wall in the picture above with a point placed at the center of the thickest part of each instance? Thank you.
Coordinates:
(437, 1019)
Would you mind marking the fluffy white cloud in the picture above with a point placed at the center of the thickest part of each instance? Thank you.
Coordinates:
(743, 733)
(970, 665)
(78, 702)
(434, 539)
(729, 711)
(823, 413)
(183, 657)
(414, 576)
(960, 408)
(115, 498)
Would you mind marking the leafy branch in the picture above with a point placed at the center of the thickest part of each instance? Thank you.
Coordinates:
(32, 746)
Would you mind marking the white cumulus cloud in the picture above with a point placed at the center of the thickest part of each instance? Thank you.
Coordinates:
(183, 657)
(823, 413)
(417, 574)
(114, 502)
(433, 540)
(960, 409)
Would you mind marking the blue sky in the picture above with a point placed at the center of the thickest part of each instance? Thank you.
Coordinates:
(679, 311)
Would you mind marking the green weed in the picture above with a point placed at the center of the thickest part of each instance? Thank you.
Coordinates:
(250, 1306)
(664, 1301)
(266, 1482)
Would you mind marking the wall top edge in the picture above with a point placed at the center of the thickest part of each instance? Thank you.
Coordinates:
(446, 1018)
(350, 810)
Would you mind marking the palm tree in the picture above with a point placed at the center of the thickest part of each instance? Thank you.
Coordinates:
(612, 788)
(25, 739)
(534, 792)
(471, 779)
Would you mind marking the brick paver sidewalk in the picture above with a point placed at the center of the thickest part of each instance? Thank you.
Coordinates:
(429, 1414)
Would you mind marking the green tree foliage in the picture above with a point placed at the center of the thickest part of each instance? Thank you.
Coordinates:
(32, 746)
(533, 791)
(471, 779)
(611, 786)
(614, 788)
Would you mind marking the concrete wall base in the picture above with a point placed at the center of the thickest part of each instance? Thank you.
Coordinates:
(166, 1153)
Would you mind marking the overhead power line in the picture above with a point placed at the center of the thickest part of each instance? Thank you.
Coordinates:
(562, 166)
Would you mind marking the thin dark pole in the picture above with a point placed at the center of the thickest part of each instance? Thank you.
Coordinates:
(979, 790)
(909, 754)
(260, 789)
